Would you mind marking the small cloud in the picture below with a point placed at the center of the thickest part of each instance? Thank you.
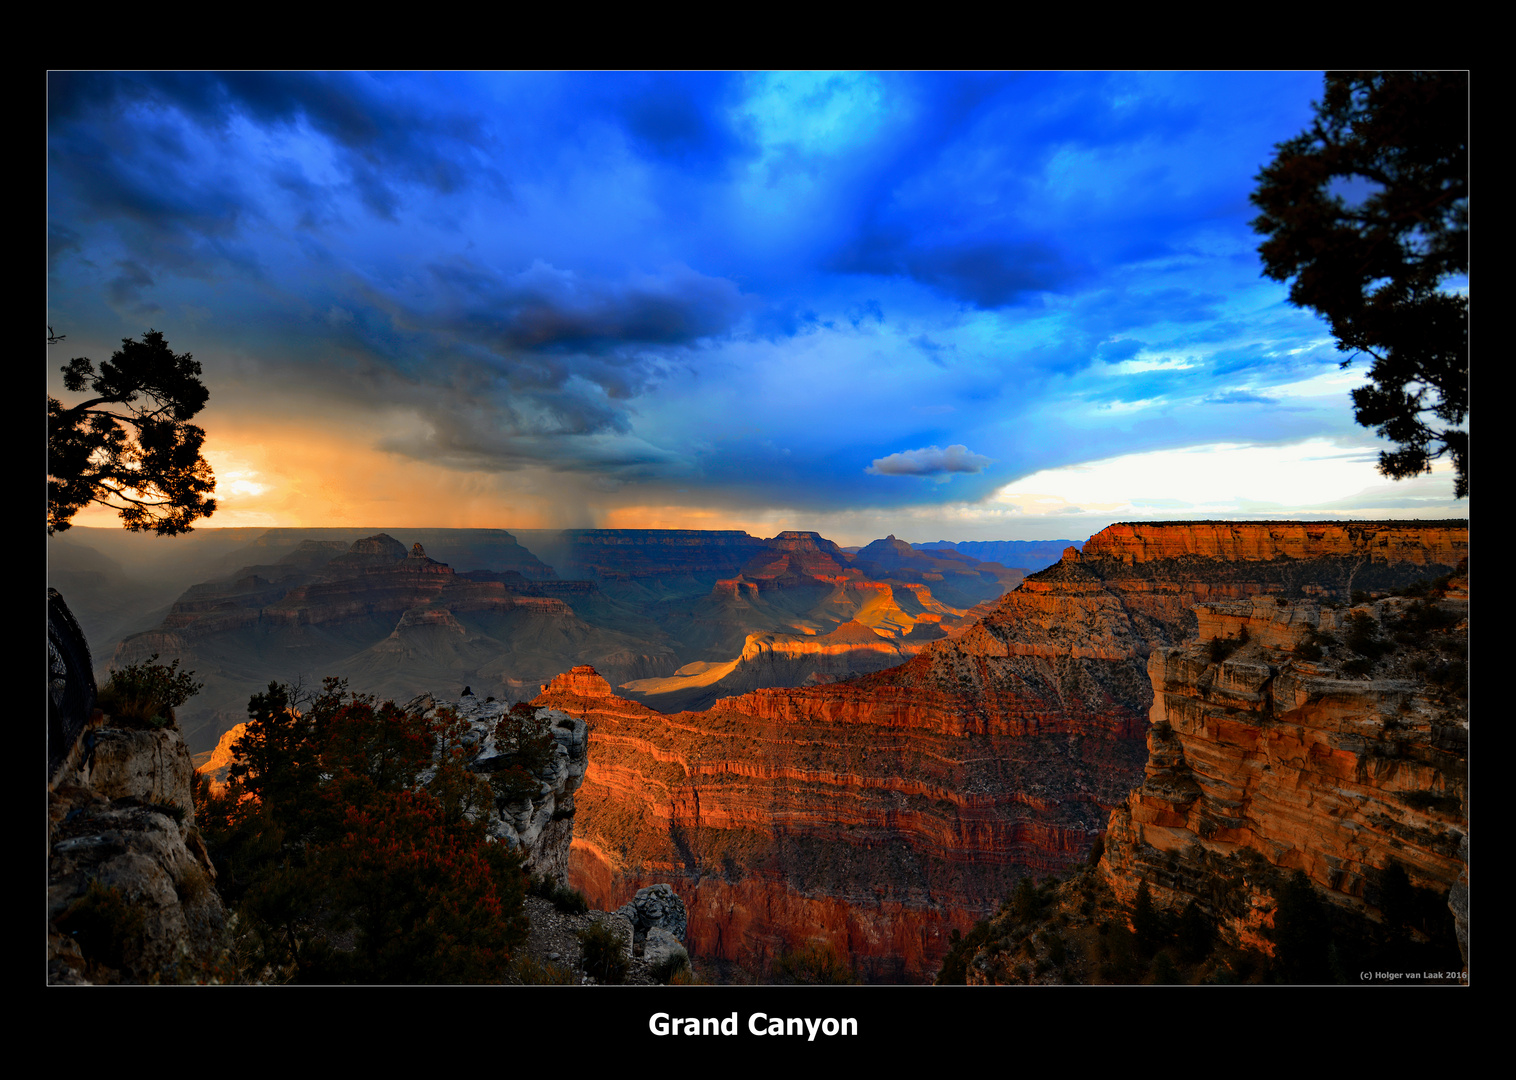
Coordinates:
(932, 348)
(1240, 397)
(1115, 351)
(930, 461)
(869, 309)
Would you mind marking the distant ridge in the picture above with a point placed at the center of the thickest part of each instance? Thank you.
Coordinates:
(1028, 555)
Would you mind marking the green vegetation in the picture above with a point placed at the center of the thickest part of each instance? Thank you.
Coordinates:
(1366, 215)
(526, 748)
(341, 866)
(671, 968)
(604, 953)
(1078, 932)
(145, 695)
(567, 900)
(954, 970)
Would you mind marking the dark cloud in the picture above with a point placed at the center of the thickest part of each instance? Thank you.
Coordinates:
(547, 310)
(125, 289)
(868, 309)
(1115, 351)
(678, 117)
(775, 322)
(988, 273)
(120, 150)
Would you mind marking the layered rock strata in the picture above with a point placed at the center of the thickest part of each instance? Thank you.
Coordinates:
(881, 812)
(784, 817)
(1296, 736)
(390, 619)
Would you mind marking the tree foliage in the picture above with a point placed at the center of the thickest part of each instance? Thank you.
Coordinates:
(129, 446)
(1366, 214)
(344, 814)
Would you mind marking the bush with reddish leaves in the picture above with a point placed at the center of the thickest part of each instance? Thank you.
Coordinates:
(343, 866)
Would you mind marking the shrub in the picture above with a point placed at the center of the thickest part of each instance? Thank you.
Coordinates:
(1301, 933)
(818, 965)
(1146, 923)
(103, 923)
(1195, 934)
(146, 694)
(337, 837)
(1028, 901)
(1164, 972)
(526, 748)
(667, 969)
(1221, 648)
(603, 953)
(567, 900)
(1363, 636)
(954, 971)
(535, 973)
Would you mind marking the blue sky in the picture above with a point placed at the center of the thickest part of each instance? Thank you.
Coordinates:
(944, 306)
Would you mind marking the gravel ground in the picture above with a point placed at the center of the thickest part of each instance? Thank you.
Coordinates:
(553, 944)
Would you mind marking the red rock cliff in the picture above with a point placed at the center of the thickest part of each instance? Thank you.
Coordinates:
(881, 812)
(1333, 741)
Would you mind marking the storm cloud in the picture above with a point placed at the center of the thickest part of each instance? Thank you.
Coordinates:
(699, 289)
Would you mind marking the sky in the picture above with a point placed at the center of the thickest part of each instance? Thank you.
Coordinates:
(943, 306)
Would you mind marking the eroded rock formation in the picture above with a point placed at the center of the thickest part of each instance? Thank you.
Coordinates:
(1295, 736)
(390, 619)
(130, 894)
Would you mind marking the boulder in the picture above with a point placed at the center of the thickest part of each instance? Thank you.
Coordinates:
(656, 906)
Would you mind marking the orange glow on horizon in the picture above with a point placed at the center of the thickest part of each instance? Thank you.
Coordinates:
(271, 475)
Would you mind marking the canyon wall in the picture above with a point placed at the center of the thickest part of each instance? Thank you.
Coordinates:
(879, 813)
(1292, 736)
(388, 618)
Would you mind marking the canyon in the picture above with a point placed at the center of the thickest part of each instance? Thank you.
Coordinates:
(815, 748)
(879, 814)
(675, 618)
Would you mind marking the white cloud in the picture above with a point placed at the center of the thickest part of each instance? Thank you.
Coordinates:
(1221, 478)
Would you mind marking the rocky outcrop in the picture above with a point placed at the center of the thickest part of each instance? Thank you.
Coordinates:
(130, 884)
(776, 660)
(540, 823)
(656, 907)
(1294, 736)
(153, 766)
